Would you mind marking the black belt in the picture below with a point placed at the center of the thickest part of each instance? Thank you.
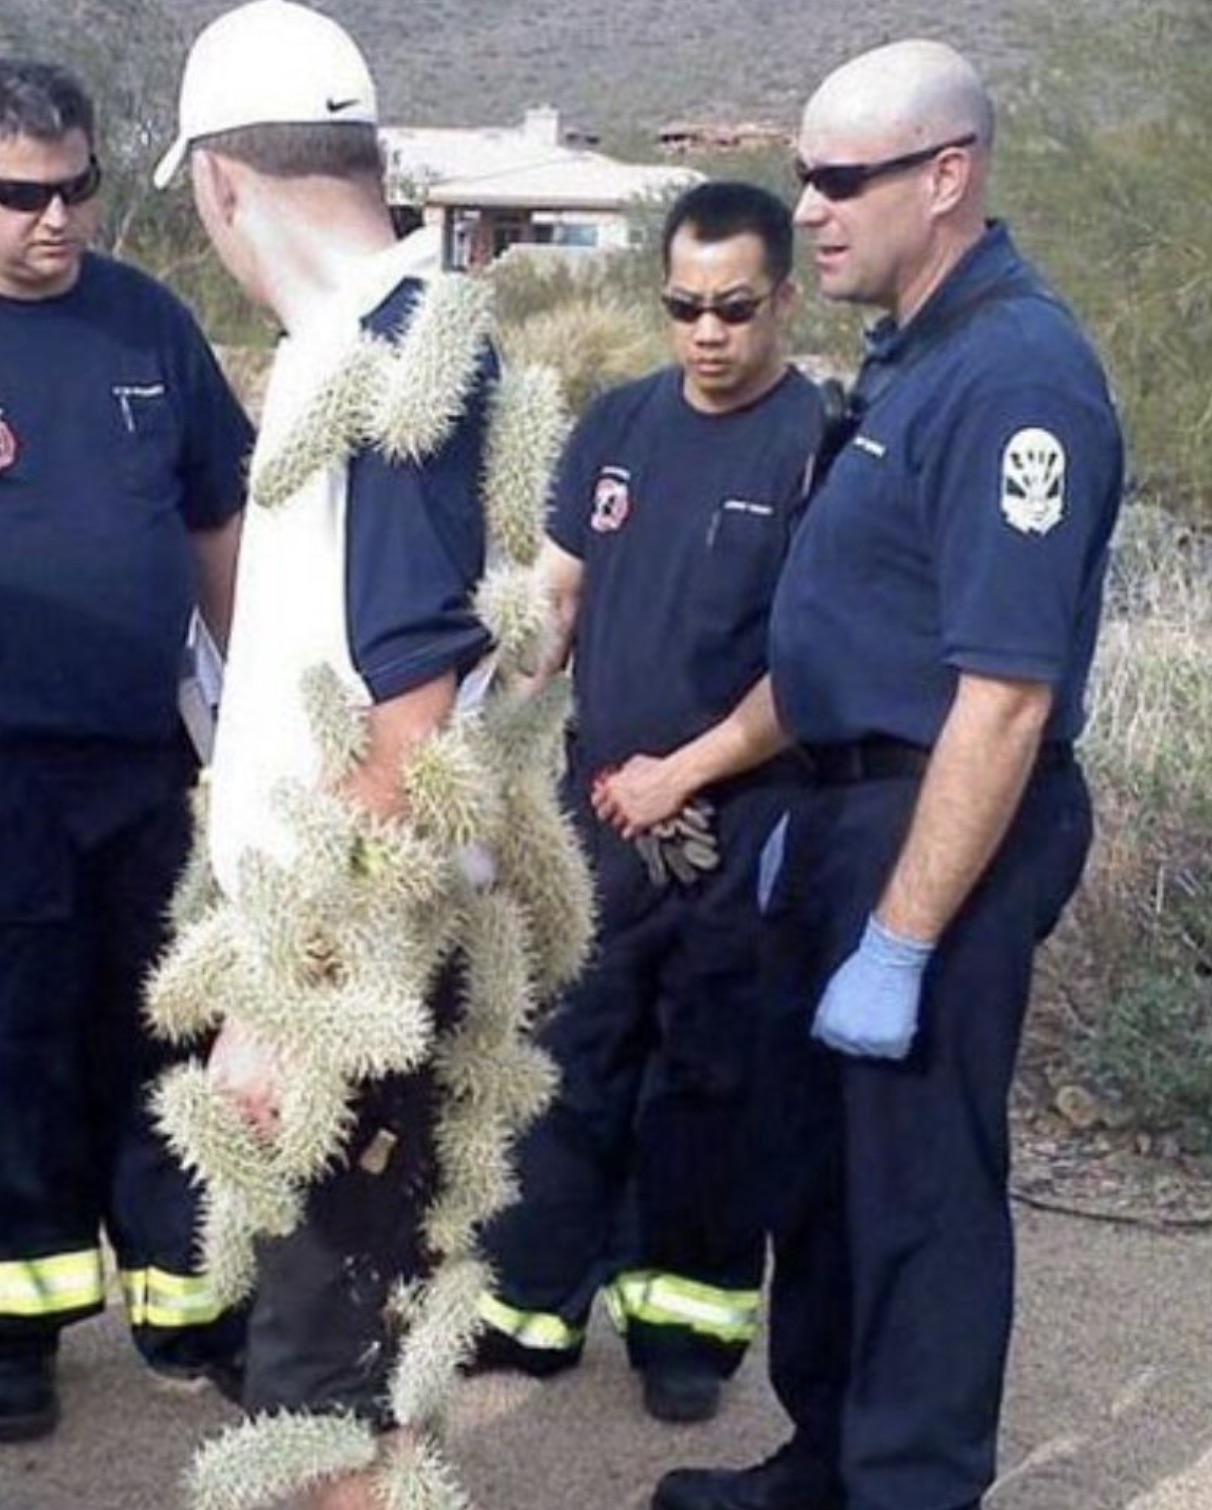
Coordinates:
(880, 758)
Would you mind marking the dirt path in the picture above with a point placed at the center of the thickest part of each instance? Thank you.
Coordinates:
(1109, 1406)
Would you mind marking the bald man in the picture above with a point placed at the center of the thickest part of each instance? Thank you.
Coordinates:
(930, 644)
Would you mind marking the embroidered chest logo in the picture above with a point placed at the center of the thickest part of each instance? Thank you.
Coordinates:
(611, 500)
(8, 444)
(1033, 481)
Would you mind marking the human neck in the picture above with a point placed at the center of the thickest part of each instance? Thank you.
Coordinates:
(934, 272)
(311, 233)
(737, 398)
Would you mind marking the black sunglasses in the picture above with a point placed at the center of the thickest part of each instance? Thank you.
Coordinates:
(737, 310)
(848, 180)
(31, 196)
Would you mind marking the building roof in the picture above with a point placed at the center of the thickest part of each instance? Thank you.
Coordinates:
(526, 166)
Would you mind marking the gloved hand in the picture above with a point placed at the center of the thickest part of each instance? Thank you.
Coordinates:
(871, 1003)
(682, 849)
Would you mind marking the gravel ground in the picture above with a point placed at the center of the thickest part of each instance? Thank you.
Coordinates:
(1109, 1406)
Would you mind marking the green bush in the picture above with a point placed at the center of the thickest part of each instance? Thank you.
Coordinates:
(1105, 170)
(1136, 956)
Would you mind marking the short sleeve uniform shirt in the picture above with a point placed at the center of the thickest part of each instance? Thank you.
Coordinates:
(964, 527)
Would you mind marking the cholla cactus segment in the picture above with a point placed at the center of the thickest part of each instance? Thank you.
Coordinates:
(373, 1030)
(261, 1461)
(337, 721)
(510, 1077)
(226, 1244)
(400, 866)
(527, 730)
(325, 434)
(191, 989)
(452, 1224)
(515, 606)
(441, 1321)
(315, 1120)
(196, 891)
(416, 1476)
(423, 386)
(528, 426)
(207, 1134)
(473, 1148)
(540, 861)
(496, 976)
(328, 830)
(449, 798)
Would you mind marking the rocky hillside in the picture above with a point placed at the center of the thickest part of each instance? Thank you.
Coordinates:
(618, 66)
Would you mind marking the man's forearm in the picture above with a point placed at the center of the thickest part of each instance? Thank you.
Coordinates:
(215, 553)
(747, 737)
(396, 728)
(650, 789)
(561, 575)
(972, 788)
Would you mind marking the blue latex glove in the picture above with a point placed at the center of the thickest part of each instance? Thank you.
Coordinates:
(871, 1003)
(770, 863)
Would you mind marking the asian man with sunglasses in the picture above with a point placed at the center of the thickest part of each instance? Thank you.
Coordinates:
(931, 638)
(676, 502)
(121, 482)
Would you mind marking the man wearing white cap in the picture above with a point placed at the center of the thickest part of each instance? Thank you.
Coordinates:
(354, 600)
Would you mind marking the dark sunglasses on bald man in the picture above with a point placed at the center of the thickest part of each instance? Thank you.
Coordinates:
(836, 181)
(32, 196)
(738, 309)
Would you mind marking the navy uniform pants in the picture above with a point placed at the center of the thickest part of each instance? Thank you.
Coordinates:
(91, 843)
(892, 1294)
(655, 1049)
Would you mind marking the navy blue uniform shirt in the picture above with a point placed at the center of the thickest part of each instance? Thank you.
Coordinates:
(964, 527)
(416, 543)
(118, 435)
(682, 520)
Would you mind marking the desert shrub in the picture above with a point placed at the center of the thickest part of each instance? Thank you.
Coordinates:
(1105, 173)
(580, 317)
(1137, 952)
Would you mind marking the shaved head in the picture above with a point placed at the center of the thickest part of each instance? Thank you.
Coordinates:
(894, 155)
(908, 94)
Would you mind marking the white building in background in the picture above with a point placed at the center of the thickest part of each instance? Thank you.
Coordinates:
(485, 189)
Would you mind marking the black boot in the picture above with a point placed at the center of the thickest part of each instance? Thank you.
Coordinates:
(681, 1392)
(787, 1481)
(498, 1352)
(29, 1402)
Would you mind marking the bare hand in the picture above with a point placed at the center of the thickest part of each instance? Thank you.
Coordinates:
(246, 1071)
(640, 793)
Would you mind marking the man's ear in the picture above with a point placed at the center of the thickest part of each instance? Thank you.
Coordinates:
(213, 177)
(950, 177)
(787, 298)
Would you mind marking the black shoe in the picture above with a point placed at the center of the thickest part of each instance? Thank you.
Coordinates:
(224, 1374)
(786, 1481)
(29, 1402)
(681, 1392)
(498, 1352)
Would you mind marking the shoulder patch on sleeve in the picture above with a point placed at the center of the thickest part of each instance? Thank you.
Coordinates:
(1033, 481)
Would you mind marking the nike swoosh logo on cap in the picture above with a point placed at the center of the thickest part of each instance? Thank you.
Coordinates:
(334, 106)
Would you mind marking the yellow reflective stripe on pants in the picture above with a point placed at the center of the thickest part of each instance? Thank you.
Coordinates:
(537, 1329)
(669, 1300)
(156, 1298)
(50, 1286)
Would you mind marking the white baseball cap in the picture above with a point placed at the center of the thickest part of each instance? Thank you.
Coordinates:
(270, 60)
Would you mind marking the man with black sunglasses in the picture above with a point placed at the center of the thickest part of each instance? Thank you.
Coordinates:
(121, 483)
(677, 499)
(930, 643)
